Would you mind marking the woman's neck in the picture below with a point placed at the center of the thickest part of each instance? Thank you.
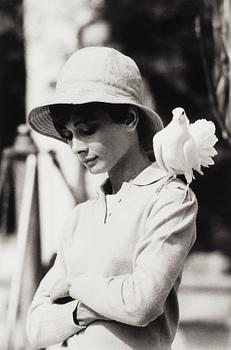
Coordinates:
(128, 168)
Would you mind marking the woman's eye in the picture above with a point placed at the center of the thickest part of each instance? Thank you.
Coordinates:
(87, 130)
(66, 134)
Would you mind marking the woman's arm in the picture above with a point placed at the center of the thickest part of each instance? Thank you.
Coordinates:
(48, 322)
(139, 298)
(51, 319)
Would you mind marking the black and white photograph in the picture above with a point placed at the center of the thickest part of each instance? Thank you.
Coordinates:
(115, 175)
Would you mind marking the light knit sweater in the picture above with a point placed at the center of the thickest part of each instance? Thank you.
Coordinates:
(125, 262)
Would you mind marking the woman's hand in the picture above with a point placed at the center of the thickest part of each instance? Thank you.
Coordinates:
(60, 289)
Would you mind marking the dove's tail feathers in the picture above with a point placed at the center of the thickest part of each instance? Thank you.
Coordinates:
(206, 161)
(208, 151)
(189, 176)
(200, 171)
(211, 140)
(203, 133)
(203, 126)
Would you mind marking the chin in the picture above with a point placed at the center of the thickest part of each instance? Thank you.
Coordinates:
(97, 170)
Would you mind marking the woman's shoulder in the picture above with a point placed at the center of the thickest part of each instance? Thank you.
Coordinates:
(161, 180)
(175, 189)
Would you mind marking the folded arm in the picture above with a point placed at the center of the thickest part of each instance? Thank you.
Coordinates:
(48, 322)
(52, 316)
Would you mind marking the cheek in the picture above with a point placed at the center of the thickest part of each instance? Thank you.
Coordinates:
(97, 148)
(110, 146)
(101, 144)
(116, 149)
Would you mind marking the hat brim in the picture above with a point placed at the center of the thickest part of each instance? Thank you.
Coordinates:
(40, 119)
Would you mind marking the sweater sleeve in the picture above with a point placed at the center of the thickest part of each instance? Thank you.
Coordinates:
(51, 323)
(139, 298)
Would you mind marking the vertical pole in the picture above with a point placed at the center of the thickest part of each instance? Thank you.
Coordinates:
(25, 280)
(227, 42)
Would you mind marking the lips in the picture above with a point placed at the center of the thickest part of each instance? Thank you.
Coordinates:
(89, 161)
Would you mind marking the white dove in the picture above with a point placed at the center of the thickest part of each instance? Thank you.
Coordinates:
(181, 147)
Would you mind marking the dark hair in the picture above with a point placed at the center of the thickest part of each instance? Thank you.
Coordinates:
(60, 114)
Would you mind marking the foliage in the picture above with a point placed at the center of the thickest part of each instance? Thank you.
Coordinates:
(214, 31)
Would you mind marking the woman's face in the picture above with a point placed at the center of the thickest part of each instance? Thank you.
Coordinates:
(99, 143)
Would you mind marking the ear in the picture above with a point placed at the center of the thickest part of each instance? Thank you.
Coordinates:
(132, 118)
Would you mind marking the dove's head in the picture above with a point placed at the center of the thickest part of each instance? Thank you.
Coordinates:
(180, 116)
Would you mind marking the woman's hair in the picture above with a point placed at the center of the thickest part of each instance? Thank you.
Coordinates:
(118, 113)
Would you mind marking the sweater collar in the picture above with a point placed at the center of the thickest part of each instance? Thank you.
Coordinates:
(148, 176)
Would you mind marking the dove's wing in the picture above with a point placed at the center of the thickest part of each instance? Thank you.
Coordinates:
(157, 148)
(191, 159)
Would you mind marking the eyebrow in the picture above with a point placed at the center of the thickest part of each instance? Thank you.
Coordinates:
(86, 119)
(78, 122)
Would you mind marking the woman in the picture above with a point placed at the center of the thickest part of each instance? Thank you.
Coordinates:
(115, 279)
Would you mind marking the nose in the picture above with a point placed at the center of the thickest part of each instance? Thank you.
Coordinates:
(78, 146)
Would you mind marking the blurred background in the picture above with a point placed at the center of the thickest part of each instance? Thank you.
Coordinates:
(183, 49)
